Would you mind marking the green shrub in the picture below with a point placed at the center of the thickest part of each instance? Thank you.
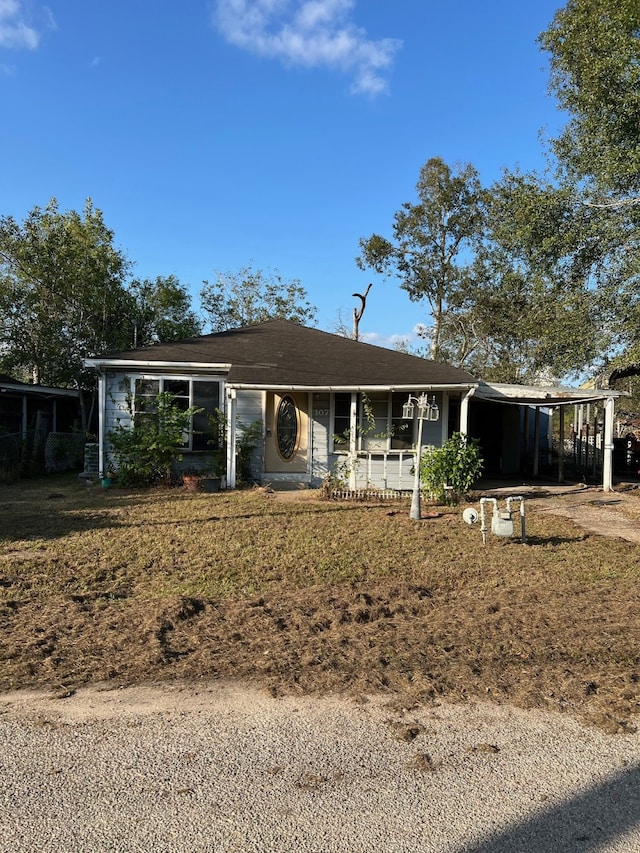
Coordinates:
(456, 465)
(144, 451)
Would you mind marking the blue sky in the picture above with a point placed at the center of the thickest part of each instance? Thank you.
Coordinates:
(271, 132)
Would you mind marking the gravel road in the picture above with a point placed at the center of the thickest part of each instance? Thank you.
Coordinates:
(224, 767)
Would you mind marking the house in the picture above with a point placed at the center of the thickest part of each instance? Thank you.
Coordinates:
(322, 399)
(326, 403)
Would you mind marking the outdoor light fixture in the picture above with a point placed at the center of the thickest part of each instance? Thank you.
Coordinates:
(427, 411)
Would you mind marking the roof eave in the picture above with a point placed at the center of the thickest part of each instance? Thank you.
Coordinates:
(177, 366)
(429, 386)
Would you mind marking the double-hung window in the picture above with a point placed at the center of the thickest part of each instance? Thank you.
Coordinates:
(185, 393)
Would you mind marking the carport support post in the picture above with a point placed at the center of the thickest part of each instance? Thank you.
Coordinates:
(536, 441)
(561, 445)
(607, 455)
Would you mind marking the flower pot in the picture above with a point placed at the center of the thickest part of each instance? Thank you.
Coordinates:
(191, 482)
(106, 482)
(211, 484)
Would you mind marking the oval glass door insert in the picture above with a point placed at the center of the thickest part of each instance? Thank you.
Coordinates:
(287, 428)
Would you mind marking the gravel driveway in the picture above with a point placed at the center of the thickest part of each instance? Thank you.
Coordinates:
(224, 767)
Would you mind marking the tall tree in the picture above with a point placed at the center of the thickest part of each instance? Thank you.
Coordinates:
(62, 294)
(547, 267)
(432, 241)
(594, 48)
(163, 311)
(249, 296)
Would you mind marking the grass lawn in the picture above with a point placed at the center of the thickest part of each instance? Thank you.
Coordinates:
(308, 595)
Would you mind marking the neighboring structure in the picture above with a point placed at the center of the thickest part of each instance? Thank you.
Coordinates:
(29, 416)
(325, 402)
(26, 407)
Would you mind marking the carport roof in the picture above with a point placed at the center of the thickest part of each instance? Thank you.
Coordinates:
(535, 395)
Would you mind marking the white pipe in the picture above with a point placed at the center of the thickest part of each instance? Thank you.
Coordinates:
(523, 532)
(483, 518)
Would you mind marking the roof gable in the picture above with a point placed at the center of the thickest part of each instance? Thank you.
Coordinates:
(280, 353)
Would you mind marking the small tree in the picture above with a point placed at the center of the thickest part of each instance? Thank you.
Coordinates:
(456, 465)
(146, 449)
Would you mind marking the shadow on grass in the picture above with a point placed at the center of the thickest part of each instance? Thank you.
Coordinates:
(555, 540)
(50, 509)
(586, 822)
(52, 513)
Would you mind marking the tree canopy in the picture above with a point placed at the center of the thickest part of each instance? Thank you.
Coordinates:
(432, 241)
(62, 294)
(507, 272)
(538, 276)
(162, 311)
(594, 48)
(249, 296)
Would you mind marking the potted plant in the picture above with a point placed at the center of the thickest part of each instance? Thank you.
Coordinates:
(107, 479)
(191, 478)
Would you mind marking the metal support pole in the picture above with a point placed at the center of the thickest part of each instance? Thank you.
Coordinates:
(416, 510)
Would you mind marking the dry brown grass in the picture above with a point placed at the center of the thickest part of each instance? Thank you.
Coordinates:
(305, 595)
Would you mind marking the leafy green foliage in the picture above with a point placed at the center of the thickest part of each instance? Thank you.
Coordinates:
(594, 48)
(62, 296)
(248, 438)
(162, 311)
(431, 239)
(249, 296)
(541, 278)
(145, 449)
(457, 464)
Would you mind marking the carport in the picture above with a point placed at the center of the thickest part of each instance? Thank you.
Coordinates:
(521, 413)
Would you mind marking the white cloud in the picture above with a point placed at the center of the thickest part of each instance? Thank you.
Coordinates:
(413, 341)
(16, 30)
(311, 33)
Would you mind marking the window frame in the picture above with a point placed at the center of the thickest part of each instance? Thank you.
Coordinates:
(162, 379)
(374, 445)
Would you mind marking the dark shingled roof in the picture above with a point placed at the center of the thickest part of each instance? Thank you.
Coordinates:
(280, 353)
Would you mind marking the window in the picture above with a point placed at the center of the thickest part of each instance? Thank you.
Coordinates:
(186, 392)
(401, 428)
(287, 428)
(341, 420)
(374, 421)
(380, 424)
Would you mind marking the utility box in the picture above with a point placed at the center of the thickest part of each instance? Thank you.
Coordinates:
(502, 524)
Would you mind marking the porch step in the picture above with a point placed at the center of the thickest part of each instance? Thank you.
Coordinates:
(286, 483)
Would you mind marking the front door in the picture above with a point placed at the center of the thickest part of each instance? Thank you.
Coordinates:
(286, 447)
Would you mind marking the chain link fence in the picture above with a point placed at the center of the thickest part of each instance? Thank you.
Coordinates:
(23, 454)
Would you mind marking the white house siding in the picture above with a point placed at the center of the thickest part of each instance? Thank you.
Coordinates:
(320, 425)
(250, 407)
(385, 469)
(117, 388)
